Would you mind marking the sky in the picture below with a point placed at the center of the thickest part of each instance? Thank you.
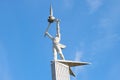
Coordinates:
(89, 28)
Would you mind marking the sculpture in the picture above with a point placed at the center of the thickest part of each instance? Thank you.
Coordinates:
(57, 47)
(61, 69)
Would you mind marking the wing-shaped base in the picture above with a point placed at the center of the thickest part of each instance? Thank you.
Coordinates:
(72, 64)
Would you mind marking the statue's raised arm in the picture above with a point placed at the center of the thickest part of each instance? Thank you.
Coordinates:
(58, 28)
(50, 36)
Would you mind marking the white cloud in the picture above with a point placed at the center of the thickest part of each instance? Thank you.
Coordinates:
(105, 43)
(78, 55)
(80, 70)
(107, 29)
(107, 37)
(94, 4)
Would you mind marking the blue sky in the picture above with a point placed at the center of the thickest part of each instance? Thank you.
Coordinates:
(90, 29)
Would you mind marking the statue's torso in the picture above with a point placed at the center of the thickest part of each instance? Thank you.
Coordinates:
(56, 40)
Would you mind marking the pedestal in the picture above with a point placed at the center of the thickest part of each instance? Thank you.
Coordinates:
(61, 69)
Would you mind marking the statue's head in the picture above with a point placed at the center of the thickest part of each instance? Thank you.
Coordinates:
(56, 35)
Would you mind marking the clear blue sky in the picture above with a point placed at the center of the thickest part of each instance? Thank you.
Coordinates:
(89, 28)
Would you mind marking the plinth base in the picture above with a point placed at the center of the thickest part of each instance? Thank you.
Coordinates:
(61, 69)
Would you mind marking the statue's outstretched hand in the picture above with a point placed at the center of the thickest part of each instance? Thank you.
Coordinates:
(46, 33)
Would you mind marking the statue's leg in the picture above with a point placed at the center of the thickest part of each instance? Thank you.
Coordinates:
(62, 56)
(60, 52)
(55, 54)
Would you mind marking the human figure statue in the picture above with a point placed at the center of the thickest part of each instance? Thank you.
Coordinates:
(57, 47)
